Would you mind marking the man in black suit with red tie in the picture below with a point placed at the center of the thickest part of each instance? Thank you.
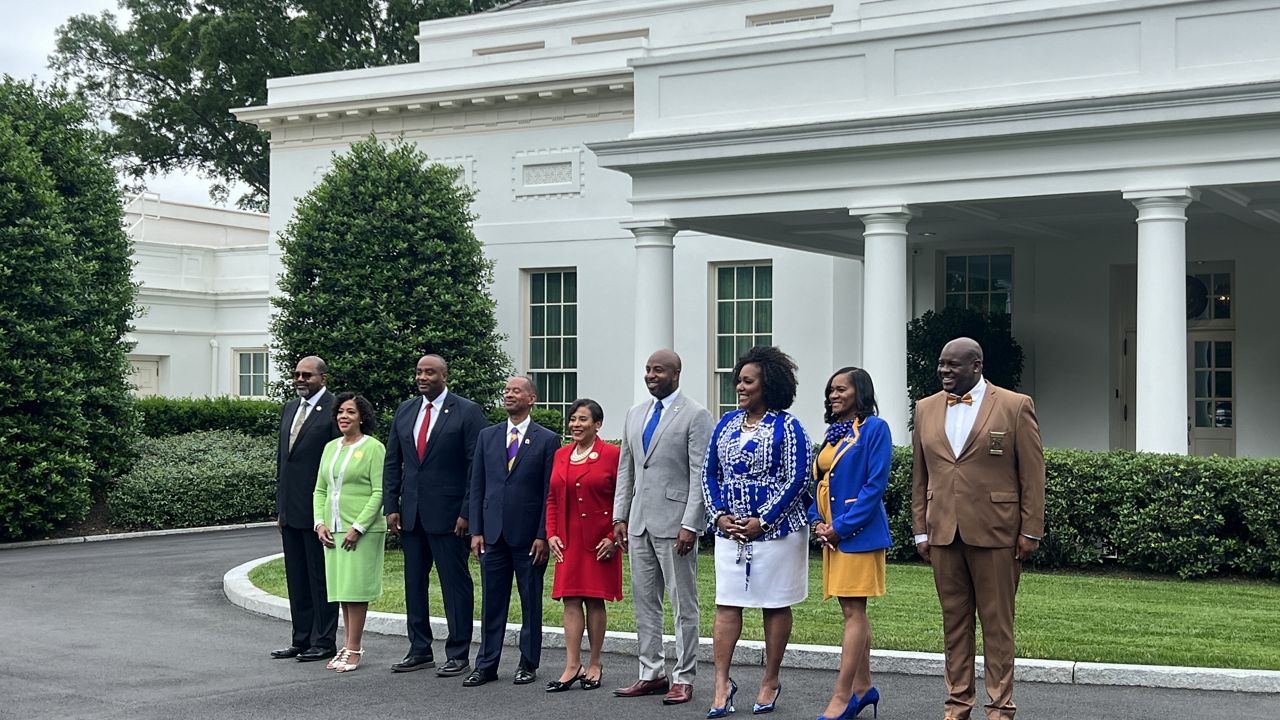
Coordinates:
(424, 494)
(509, 482)
(306, 426)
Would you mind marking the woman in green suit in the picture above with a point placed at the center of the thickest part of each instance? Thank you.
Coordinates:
(348, 505)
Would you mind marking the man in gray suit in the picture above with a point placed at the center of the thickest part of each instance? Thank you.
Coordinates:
(658, 514)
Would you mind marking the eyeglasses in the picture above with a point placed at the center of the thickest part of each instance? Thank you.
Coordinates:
(304, 375)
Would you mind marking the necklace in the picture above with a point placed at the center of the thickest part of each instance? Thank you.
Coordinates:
(577, 455)
(751, 426)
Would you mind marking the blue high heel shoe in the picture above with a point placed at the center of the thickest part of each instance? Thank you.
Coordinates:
(764, 708)
(870, 697)
(846, 713)
(727, 708)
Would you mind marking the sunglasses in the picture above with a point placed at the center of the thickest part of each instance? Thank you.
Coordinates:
(304, 375)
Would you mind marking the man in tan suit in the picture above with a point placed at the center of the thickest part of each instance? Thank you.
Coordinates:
(977, 509)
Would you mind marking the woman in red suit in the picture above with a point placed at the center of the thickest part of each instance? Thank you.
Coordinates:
(580, 533)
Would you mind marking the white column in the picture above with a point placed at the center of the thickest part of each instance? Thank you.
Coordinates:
(885, 311)
(1161, 397)
(655, 292)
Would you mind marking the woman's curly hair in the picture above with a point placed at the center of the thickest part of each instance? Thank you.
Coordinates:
(777, 370)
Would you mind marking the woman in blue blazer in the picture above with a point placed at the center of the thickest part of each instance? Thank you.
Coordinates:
(847, 511)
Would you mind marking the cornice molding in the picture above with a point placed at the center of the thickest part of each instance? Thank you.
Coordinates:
(566, 88)
(1231, 103)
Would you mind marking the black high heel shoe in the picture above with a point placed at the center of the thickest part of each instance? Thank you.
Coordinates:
(589, 684)
(558, 686)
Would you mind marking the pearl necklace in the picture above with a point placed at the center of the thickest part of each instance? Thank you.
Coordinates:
(751, 426)
(576, 456)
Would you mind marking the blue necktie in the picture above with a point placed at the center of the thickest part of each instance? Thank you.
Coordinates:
(652, 424)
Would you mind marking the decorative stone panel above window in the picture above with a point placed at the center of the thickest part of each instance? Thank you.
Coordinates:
(547, 173)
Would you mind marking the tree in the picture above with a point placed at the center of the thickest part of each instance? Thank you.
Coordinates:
(66, 300)
(1002, 355)
(167, 78)
(380, 267)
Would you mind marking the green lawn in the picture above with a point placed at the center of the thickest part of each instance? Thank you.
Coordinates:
(1064, 616)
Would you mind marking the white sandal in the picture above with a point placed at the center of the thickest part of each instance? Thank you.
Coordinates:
(337, 659)
(345, 666)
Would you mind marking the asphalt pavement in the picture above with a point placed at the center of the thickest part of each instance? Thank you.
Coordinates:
(140, 629)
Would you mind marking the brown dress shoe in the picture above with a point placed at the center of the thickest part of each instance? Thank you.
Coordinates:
(679, 693)
(657, 686)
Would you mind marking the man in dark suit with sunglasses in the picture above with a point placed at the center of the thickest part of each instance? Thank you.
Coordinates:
(306, 426)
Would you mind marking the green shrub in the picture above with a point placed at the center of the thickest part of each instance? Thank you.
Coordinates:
(1169, 514)
(548, 418)
(66, 417)
(162, 417)
(196, 479)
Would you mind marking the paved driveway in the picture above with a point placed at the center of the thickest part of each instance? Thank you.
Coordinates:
(140, 629)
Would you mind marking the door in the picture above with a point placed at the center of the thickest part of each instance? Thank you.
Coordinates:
(1211, 397)
(145, 377)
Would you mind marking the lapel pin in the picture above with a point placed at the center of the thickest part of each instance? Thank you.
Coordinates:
(526, 441)
(593, 455)
(446, 411)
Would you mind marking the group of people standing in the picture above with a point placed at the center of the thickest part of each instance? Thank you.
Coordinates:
(752, 478)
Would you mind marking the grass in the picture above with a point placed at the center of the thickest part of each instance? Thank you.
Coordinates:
(1105, 617)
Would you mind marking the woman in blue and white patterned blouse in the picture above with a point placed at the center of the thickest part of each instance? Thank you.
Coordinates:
(754, 480)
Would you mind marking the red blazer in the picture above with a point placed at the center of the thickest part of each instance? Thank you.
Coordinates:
(586, 489)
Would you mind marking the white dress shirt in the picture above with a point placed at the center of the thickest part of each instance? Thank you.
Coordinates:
(960, 417)
(436, 406)
(521, 429)
(304, 407)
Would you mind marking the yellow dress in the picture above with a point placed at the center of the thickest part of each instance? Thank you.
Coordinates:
(859, 574)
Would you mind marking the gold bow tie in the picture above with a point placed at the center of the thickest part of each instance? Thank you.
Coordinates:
(953, 399)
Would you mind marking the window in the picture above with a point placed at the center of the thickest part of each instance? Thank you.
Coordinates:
(743, 318)
(553, 336)
(1209, 296)
(789, 16)
(981, 282)
(1214, 390)
(251, 373)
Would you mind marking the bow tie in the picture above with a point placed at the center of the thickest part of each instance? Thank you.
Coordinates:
(953, 399)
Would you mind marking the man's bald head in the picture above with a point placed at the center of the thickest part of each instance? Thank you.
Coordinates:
(960, 365)
(662, 373)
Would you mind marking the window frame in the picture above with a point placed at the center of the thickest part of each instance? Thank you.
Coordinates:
(989, 252)
(236, 375)
(538, 373)
(716, 371)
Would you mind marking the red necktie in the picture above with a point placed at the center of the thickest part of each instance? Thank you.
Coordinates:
(422, 433)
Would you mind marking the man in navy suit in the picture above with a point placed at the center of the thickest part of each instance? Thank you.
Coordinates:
(424, 491)
(509, 481)
(306, 426)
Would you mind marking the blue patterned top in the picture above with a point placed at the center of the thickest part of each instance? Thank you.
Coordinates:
(764, 478)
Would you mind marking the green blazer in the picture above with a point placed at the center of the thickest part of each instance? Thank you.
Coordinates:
(349, 487)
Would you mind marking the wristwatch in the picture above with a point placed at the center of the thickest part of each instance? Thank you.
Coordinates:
(765, 527)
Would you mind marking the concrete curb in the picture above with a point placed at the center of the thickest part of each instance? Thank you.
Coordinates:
(244, 594)
(130, 535)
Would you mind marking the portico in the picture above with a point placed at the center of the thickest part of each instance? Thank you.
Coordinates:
(1084, 185)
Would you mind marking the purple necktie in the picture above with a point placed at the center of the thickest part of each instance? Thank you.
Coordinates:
(513, 443)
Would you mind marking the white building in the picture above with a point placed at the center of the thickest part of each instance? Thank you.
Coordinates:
(203, 288)
(708, 174)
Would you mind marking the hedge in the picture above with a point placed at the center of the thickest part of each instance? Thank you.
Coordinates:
(1169, 514)
(195, 479)
(162, 417)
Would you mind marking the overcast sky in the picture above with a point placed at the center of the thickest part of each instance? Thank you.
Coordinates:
(30, 27)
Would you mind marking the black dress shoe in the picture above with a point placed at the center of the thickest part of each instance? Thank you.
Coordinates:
(479, 677)
(453, 667)
(292, 651)
(525, 675)
(414, 662)
(314, 654)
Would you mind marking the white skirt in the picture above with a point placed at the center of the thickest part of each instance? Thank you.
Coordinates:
(779, 572)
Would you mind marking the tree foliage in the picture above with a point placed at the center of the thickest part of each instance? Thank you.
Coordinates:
(66, 299)
(168, 76)
(1002, 355)
(380, 267)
